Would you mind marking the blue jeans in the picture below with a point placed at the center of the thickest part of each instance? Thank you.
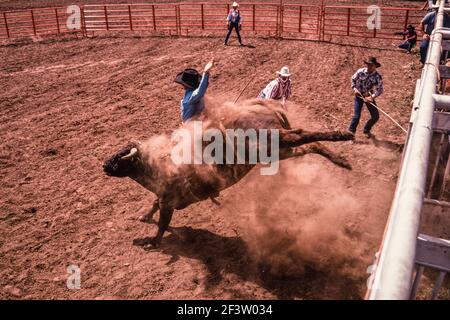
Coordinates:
(407, 45)
(423, 50)
(233, 25)
(374, 115)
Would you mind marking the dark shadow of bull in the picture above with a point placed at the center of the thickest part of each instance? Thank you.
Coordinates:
(185, 186)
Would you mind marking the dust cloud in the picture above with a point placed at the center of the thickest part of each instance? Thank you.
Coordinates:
(310, 216)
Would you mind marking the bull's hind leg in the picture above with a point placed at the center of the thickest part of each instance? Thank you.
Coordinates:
(149, 216)
(323, 151)
(297, 137)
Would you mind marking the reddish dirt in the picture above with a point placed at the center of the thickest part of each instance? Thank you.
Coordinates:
(68, 103)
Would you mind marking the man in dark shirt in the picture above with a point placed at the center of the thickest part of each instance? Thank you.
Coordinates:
(411, 38)
(427, 25)
(367, 85)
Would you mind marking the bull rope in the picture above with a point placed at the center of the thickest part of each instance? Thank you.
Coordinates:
(385, 113)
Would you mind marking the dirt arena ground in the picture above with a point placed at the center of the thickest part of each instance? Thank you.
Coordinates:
(309, 232)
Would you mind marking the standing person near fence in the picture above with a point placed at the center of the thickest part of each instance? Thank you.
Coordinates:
(367, 85)
(279, 88)
(427, 27)
(234, 21)
(428, 5)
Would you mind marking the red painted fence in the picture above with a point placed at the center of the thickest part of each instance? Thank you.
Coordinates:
(40, 21)
(288, 20)
(352, 21)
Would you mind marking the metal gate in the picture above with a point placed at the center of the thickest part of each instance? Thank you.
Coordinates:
(423, 181)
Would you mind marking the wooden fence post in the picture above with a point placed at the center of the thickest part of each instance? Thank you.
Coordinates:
(6, 25)
(300, 19)
(203, 18)
(83, 23)
(57, 21)
(106, 18)
(348, 20)
(281, 19)
(34, 23)
(130, 18)
(406, 21)
(322, 23)
(254, 17)
(179, 20)
(154, 17)
(277, 26)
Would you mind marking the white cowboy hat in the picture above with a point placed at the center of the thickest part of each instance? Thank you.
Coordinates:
(284, 72)
(235, 4)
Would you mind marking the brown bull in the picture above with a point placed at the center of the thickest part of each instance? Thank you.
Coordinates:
(178, 186)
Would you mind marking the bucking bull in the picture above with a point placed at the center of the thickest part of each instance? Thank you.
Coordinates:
(179, 185)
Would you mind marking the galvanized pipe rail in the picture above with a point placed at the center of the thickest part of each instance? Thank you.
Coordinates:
(395, 264)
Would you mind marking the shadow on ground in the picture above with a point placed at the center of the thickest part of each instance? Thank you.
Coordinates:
(222, 254)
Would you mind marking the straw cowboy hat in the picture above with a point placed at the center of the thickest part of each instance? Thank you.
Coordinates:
(189, 77)
(284, 72)
(235, 4)
(373, 60)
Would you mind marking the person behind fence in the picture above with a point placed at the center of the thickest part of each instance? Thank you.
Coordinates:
(234, 21)
(195, 86)
(367, 85)
(428, 5)
(411, 38)
(279, 88)
(427, 27)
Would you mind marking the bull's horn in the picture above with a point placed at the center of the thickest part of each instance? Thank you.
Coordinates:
(132, 153)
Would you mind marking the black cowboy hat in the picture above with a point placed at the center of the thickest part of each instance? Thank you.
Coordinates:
(373, 60)
(410, 26)
(189, 77)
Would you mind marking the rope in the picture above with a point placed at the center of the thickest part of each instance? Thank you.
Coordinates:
(385, 113)
(242, 91)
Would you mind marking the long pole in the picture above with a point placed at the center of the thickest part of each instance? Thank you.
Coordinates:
(242, 91)
(385, 113)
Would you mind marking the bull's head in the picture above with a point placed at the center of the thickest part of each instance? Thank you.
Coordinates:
(123, 163)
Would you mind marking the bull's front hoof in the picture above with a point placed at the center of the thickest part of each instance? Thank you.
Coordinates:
(146, 218)
(154, 243)
(147, 243)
